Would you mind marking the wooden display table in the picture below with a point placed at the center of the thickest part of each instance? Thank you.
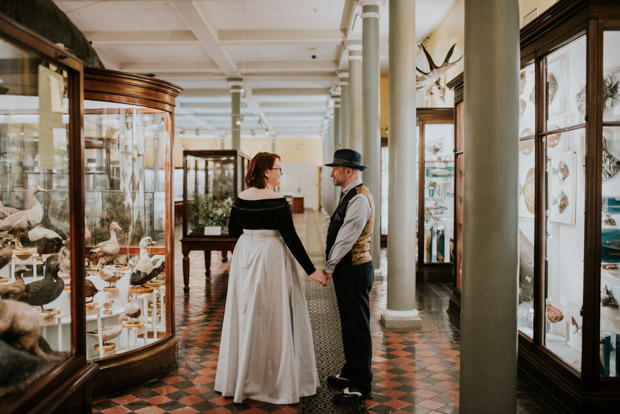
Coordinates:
(298, 204)
(206, 244)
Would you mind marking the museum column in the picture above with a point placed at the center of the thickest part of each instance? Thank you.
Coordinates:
(336, 121)
(489, 292)
(371, 134)
(401, 311)
(236, 89)
(343, 82)
(355, 96)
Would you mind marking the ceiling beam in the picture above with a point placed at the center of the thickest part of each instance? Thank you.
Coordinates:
(159, 37)
(292, 92)
(279, 36)
(163, 67)
(288, 66)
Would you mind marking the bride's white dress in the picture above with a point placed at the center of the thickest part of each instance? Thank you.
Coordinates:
(266, 349)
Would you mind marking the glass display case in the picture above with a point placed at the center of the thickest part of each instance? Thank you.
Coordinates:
(211, 181)
(568, 315)
(42, 351)
(435, 130)
(128, 138)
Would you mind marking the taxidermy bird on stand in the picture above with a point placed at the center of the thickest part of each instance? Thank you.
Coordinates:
(6, 251)
(46, 290)
(24, 220)
(147, 268)
(15, 290)
(106, 251)
(47, 241)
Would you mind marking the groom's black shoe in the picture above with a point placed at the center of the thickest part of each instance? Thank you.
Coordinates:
(350, 395)
(338, 382)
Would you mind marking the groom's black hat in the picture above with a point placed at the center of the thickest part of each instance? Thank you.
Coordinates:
(347, 158)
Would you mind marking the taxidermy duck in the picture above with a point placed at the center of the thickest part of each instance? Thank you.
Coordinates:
(46, 240)
(64, 258)
(15, 290)
(46, 290)
(107, 332)
(109, 275)
(106, 251)
(132, 310)
(6, 251)
(24, 220)
(5, 211)
(146, 268)
(90, 290)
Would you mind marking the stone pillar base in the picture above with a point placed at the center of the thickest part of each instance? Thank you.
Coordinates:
(409, 319)
(379, 275)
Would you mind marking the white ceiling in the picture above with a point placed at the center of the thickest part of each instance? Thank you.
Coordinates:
(269, 43)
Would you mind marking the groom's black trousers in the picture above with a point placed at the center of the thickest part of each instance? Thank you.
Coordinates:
(352, 285)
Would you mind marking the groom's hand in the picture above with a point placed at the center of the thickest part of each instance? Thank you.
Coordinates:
(328, 277)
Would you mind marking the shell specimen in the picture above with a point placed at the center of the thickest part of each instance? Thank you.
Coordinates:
(562, 172)
(562, 201)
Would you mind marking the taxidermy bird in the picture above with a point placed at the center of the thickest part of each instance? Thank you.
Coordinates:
(6, 251)
(46, 290)
(19, 325)
(132, 310)
(5, 211)
(106, 251)
(64, 258)
(109, 275)
(146, 268)
(90, 290)
(15, 290)
(107, 332)
(46, 240)
(24, 220)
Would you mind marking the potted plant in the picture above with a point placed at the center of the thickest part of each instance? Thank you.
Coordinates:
(211, 215)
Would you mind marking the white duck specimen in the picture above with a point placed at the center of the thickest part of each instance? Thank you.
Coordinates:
(106, 251)
(6, 211)
(146, 268)
(109, 275)
(24, 220)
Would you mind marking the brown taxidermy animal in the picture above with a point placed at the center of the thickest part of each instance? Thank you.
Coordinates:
(15, 290)
(24, 220)
(106, 251)
(19, 325)
(90, 290)
(6, 252)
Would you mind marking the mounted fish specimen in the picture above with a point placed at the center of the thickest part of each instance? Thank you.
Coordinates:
(24, 220)
(554, 139)
(581, 100)
(610, 92)
(553, 86)
(608, 299)
(432, 78)
(561, 171)
(611, 164)
(522, 107)
(522, 82)
(526, 147)
(528, 190)
(561, 201)
(554, 315)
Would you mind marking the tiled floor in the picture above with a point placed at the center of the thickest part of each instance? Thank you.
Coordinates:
(414, 372)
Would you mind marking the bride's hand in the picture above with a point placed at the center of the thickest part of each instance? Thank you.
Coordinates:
(319, 276)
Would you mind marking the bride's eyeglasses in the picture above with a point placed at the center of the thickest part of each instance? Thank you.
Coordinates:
(279, 169)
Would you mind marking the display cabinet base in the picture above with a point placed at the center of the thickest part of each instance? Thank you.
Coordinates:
(436, 272)
(135, 368)
(454, 307)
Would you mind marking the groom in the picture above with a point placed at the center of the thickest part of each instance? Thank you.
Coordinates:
(349, 260)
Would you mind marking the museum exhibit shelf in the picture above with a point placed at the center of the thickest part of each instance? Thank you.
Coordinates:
(211, 181)
(435, 168)
(41, 211)
(128, 140)
(568, 316)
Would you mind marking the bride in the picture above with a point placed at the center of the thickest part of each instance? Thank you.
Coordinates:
(266, 350)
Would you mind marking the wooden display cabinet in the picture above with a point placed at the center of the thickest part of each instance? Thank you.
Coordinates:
(569, 204)
(128, 128)
(42, 165)
(211, 181)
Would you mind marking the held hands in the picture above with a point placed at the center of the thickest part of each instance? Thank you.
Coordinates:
(319, 276)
